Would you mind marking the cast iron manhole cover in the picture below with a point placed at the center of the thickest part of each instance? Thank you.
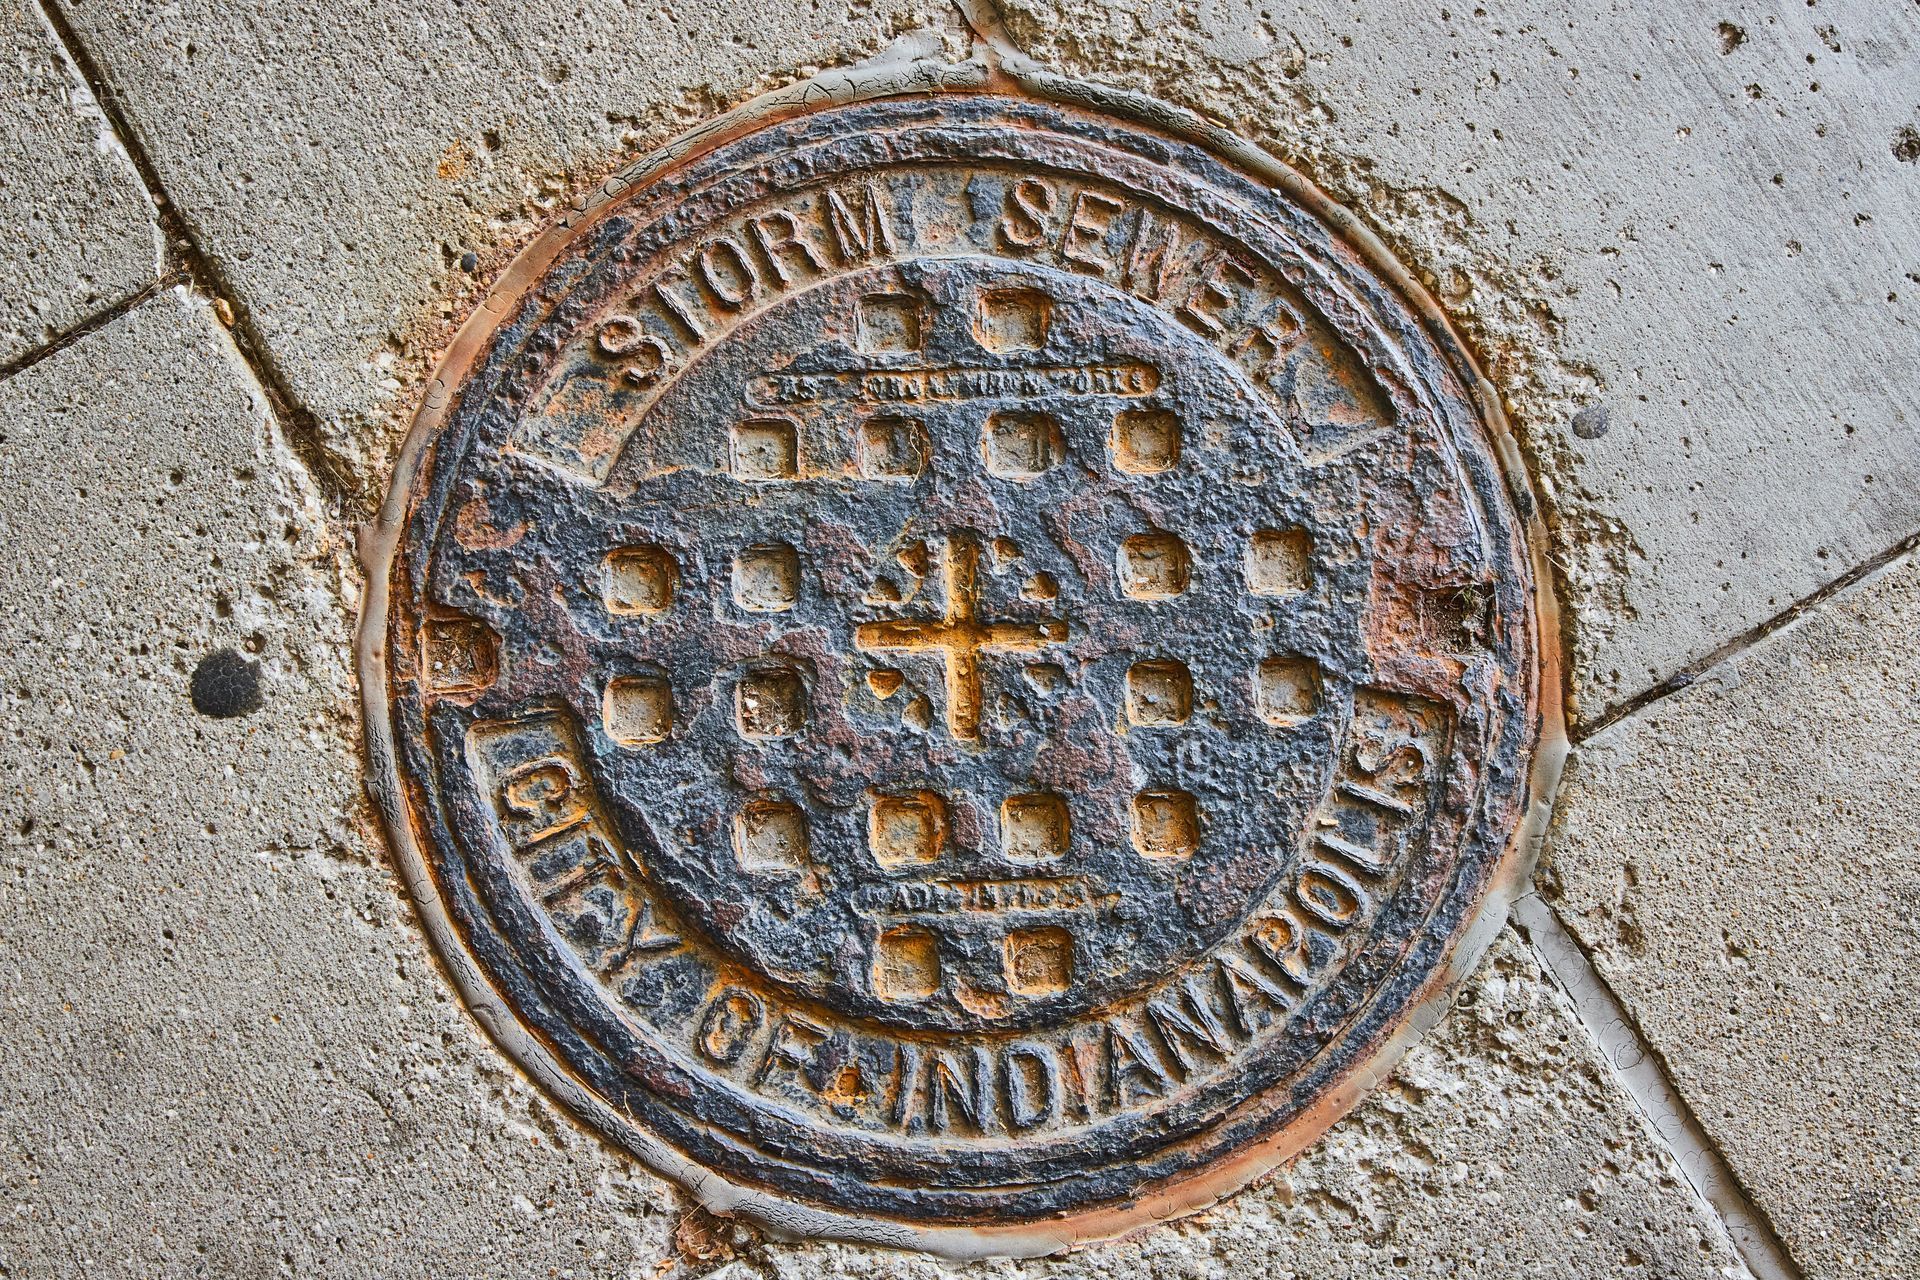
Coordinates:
(963, 666)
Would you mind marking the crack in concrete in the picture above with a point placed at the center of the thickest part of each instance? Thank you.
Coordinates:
(1643, 1075)
(187, 261)
(989, 29)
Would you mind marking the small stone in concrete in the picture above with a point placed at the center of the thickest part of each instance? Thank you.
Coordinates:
(1740, 861)
(76, 231)
(225, 685)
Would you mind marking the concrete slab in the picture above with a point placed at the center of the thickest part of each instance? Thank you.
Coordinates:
(355, 171)
(77, 233)
(1500, 1148)
(1740, 861)
(1681, 239)
(227, 1051)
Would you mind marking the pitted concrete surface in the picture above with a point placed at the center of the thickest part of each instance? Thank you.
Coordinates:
(1741, 862)
(76, 231)
(1679, 239)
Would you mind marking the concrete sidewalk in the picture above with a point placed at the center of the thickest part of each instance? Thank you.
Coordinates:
(233, 240)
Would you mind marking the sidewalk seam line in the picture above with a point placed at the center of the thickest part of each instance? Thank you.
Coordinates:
(1691, 673)
(94, 323)
(1644, 1076)
(189, 261)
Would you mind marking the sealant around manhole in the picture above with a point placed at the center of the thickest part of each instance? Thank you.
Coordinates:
(957, 670)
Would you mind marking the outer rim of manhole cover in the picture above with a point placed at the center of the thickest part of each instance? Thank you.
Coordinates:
(381, 543)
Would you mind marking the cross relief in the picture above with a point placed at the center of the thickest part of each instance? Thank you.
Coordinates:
(960, 637)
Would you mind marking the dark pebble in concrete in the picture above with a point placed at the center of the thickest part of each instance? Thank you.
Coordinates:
(1591, 422)
(225, 685)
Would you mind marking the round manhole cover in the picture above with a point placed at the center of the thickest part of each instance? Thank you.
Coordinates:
(964, 666)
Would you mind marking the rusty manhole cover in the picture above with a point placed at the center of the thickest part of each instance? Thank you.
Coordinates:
(961, 665)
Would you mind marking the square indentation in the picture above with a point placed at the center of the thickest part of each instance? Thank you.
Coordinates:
(1039, 962)
(1166, 824)
(1154, 566)
(892, 448)
(1159, 693)
(903, 830)
(770, 835)
(770, 703)
(638, 710)
(1279, 562)
(764, 449)
(1286, 689)
(906, 964)
(1145, 441)
(461, 655)
(1035, 827)
(1013, 319)
(889, 322)
(766, 579)
(638, 580)
(1018, 445)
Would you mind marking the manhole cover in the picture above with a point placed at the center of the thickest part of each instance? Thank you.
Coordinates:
(961, 665)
